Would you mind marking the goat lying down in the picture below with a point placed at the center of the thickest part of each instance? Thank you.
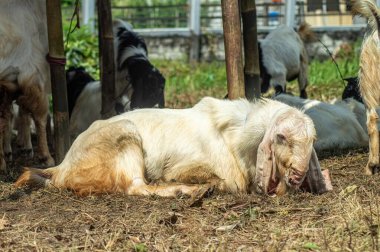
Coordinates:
(235, 145)
(283, 57)
(369, 77)
(337, 125)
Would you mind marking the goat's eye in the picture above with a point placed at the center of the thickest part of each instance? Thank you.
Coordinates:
(281, 139)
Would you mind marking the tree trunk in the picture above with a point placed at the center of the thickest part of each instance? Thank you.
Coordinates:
(251, 52)
(106, 52)
(233, 48)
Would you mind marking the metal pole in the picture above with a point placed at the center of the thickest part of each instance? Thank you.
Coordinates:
(290, 12)
(251, 51)
(58, 79)
(88, 10)
(233, 48)
(195, 29)
(107, 64)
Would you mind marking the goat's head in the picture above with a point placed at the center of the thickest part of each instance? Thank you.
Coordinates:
(148, 84)
(286, 158)
(76, 78)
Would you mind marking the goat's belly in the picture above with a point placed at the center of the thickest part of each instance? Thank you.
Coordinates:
(186, 163)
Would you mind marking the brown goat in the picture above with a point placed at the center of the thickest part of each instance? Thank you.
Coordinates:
(369, 76)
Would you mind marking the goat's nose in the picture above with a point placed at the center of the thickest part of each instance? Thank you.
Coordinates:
(296, 177)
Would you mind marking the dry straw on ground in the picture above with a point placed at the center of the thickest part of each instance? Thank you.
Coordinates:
(346, 219)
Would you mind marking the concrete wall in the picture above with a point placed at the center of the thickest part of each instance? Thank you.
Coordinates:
(212, 45)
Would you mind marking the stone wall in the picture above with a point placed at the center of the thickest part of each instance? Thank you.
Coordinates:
(212, 45)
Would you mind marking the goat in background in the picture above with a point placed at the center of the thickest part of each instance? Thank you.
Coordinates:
(138, 83)
(24, 46)
(283, 57)
(337, 125)
(369, 76)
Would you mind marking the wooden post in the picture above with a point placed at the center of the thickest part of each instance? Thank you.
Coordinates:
(251, 51)
(107, 64)
(58, 79)
(233, 48)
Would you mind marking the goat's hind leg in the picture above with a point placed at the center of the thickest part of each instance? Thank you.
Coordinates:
(131, 164)
(35, 100)
(373, 165)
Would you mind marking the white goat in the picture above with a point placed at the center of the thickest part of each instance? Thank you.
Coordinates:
(235, 145)
(24, 46)
(369, 77)
(283, 57)
(337, 125)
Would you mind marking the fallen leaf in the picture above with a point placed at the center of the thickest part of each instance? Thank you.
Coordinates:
(4, 223)
(197, 201)
(135, 239)
(227, 227)
(311, 245)
(348, 190)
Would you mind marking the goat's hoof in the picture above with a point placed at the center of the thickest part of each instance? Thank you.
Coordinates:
(27, 153)
(371, 169)
(303, 94)
(3, 166)
(47, 161)
(8, 156)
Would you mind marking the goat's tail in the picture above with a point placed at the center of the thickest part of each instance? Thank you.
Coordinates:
(36, 178)
(305, 32)
(368, 9)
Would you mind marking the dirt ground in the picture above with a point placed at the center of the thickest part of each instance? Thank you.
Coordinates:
(345, 219)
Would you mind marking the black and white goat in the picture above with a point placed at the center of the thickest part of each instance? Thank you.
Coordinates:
(132, 58)
(23, 67)
(283, 57)
(352, 89)
(369, 76)
(138, 83)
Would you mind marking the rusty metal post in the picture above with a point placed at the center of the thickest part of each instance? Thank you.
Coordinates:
(251, 51)
(106, 60)
(233, 48)
(58, 79)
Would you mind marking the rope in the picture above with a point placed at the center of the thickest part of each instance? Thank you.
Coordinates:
(60, 61)
(77, 25)
(333, 60)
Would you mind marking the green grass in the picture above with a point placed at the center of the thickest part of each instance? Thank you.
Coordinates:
(184, 81)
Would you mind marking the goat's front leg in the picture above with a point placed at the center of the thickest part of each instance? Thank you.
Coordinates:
(3, 165)
(302, 76)
(35, 100)
(373, 165)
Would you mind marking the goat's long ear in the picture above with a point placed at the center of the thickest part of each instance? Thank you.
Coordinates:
(265, 162)
(316, 181)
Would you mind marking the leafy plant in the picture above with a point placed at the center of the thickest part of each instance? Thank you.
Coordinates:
(81, 49)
